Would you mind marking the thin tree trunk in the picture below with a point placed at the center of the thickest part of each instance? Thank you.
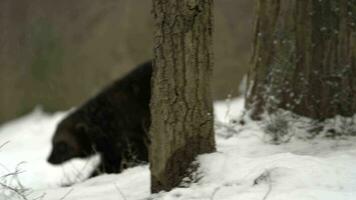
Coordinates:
(181, 104)
(304, 58)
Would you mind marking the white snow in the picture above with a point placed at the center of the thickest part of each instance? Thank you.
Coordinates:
(244, 167)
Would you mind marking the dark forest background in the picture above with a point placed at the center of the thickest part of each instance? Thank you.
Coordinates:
(58, 53)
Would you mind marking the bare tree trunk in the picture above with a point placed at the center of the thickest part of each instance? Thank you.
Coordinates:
(304, 58)
(181, 104)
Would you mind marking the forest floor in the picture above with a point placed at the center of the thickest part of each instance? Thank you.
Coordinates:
(245, 167)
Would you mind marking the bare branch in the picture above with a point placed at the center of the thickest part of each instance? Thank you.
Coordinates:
(118, 189)
(67, 194)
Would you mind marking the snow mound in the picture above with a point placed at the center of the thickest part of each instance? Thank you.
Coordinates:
(25, 145)
(244, 166)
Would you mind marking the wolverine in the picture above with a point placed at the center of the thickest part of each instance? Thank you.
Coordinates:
(113, 123)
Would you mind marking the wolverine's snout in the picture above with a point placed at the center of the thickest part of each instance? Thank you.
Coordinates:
(57, 159)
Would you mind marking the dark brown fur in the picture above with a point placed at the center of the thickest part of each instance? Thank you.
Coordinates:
(113, 123)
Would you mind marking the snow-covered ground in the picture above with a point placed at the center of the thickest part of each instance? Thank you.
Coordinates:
(244, 166)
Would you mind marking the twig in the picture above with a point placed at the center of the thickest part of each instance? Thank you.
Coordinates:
(13, 174)
(118, 189)
(67, 194)
(220, 124)
(16, 191)
(5, 143)
(269, 186)
(214, 193)
(19, 189)
(228, 105)
(40, 197)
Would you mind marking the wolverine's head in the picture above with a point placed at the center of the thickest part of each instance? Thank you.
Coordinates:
(71, 140)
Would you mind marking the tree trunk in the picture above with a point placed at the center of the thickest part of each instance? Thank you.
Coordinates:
(181, 104)
(304, 58)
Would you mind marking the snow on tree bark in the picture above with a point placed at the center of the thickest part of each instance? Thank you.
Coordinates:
(304, 58)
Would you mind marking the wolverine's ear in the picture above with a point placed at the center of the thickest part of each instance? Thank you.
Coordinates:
(81, 127)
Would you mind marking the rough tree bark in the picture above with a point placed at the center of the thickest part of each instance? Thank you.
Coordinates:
(181, 104)
(304, 58)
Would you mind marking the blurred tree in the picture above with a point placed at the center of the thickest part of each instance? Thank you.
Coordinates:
(45, 45)
(304, 58)
(181, 104)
